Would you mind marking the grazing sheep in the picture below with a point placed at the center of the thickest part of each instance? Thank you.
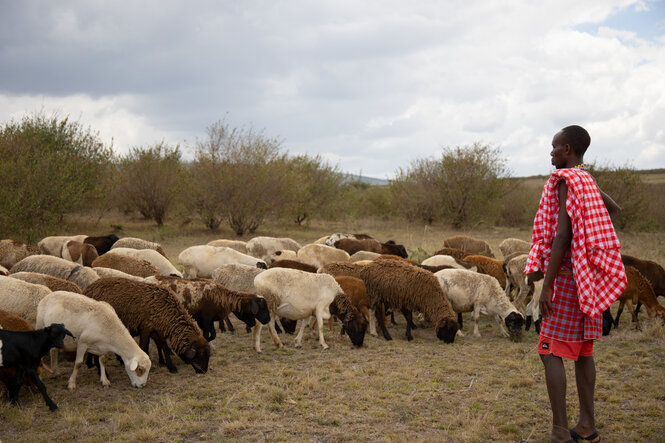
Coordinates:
(98, 330)
(353, 322)
(296, 295)
(513, 245)
(479, 293)
(489, 266)
(102, 243)
(208, 301)
(532, 311)
(138, 243)
(57, 267)
(282, 255)
(319, 255)
(53, 245)
(128, 265)
(12, 251)
(53, 283)
(21, 298)
(352, 246)
(469, 244)
(150, 311)
(453, 252)
(162, 263)
(293, 264)
(202, 260)
(639, 289)
(238, 245)
(237, 277)
(516, 278)
(333, 238)
(355, 291)
(78, 252)
(651, 270)
(262, 247)
(364, 255)
(114, 273)
(447, 260)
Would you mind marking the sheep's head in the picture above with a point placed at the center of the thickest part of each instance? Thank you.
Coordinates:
(355, 326)
(260, 310)
(137, 369)
(261, 264)
(446, 330)
(514, 322)
(246, 317)
(197, 354)
(57, 332)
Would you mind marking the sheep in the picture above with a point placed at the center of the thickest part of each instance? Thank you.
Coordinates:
(138, 243)
(513, 245)
(400, 285)
(208, 301)
(293, 264)
(128, 265)
(469, 291)
(354, 324)
(237, 277)
(238, 245)
(202, 260)
(282, 255)
(53, 245)
(262, 247)
(24, 350)
(102, 243)
(516, 278)
(53, 283)
(352, 246)
(12, 251)
(78, 252)
(57, 267)
(296, 295)
(453, 252)
(489, 266)
(21, 298)
(469, 244)
(111, 273)
(651, 270)
(639, 289)
(318, 255)
(439, 260)
(153, 312)
(364, 255)
(331, 239)
(354, 289)
(98, 330)
(162, 263)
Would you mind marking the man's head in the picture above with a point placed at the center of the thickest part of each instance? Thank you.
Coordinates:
(569, 146)
(577, 137)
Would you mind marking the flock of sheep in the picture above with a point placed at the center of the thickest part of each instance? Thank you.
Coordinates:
(104, 291)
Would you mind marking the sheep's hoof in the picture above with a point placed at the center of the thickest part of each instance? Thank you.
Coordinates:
(298, 346)
(71, 386)
(460, 333)
(106, 383)
(326, 347)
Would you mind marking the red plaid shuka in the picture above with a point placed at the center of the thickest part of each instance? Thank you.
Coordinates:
(597, 267)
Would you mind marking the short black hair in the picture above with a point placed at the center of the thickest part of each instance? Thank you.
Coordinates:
(578, 138)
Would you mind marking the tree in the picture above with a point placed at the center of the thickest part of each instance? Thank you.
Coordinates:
(151, 179)
(49, 167)
(239, 175)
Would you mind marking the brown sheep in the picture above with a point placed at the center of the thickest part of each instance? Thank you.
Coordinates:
(352, 246)
(453, 252)
(638, 289)
(293, 264)
(53, 283)
(469, 244)
(343, 308)
(12, 252)
(126, 264)
(150, 311)
(489, 266)
(354, 288)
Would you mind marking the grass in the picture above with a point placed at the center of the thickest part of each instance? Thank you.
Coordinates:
(476, 389)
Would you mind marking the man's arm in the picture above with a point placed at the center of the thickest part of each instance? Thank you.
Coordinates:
(560, 244)
(612, 207)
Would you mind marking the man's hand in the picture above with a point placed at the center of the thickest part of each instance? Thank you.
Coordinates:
(545, 301)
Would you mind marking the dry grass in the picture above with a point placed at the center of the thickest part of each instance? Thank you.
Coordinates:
(477, 389)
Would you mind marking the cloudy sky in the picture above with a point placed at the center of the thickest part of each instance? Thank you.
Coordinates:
(369, 85)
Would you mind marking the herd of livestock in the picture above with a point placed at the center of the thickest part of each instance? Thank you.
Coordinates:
(92, 295)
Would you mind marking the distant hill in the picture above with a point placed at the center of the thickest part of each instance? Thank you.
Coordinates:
(364, 179)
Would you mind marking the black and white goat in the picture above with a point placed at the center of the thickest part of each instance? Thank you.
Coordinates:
(24, 350)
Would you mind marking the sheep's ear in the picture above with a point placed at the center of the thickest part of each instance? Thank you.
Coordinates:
(133, 365)
(255, 307)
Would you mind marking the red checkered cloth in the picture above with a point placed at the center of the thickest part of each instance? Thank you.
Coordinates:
(597, 266)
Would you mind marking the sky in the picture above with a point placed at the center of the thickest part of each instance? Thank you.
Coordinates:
(371, 86)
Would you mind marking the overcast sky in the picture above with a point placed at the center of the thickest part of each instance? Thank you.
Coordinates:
(369, 85)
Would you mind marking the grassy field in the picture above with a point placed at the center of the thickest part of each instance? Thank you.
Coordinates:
(476, 389)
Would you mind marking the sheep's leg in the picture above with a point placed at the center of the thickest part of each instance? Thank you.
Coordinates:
(409, 320)
(500, 323)
(80, 355)
(40, 385)
(508, 287)
(273, 333)
(476, 317)
(381, 320)
(320, 316)
(298, 341)
(102, 372)
(619, 311)
(228, 323)
(372, 323)
(256, 337)
(53, 354)
(331, 324)
(629, 305)
(460, 320)
(144, 341)
(16, 387)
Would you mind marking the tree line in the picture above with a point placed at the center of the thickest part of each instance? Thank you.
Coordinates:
(241, 177)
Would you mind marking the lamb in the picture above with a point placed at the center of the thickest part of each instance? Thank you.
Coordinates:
(352, 246)
(53, 245)
(364, 255)
(78, 252)
(98, 330)
(53, 283)
(356, 293)
(153, 312)
(128, 265)
(202, 260)
(319, 255)
(439, 260)
(293, 264)
(354, 324)
(162, 263)
(296, 295)
(57, 267)
(333, 238)
(111, 273)
(24, 350)
(238, 245)
(453, 252)
(237, 277)
(262, 247)
(208, 301)
(12, 251)
(512, 245)
(469, 244)
(480, 293)
(138, 243)
(489, 266)
(21, 298)
(639, 289)
(102, 243)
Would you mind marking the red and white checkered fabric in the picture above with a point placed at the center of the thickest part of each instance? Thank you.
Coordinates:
(597, 267)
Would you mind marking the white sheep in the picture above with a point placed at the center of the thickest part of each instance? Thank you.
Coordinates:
(57, 267)
(512, 245)
(201, 260)
(138, 243)
(237, 277)
(318, 255)
(295, 295)
(21, 298)
(113, 273)
(53, 245)
(13, 251)
(282, 255)
(98, 330)
(162, 263)
(469, 291)
(238, 245)
(448, 260)
(262, 247)
(515, 277)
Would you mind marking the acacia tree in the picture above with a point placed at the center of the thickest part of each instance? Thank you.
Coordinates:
(151, 179)
(238, 175)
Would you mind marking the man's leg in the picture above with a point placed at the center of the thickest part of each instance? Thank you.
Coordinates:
(555, 377)
(585, 377)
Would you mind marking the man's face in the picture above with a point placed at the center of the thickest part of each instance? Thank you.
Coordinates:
(558, 153)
